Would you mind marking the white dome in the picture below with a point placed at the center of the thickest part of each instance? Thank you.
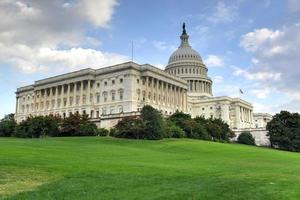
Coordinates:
(185, 53)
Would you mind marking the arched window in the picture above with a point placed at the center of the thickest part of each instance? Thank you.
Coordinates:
(121, 93)
(113, 95)
(104, 94)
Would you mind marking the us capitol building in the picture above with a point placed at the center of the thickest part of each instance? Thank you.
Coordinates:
(110, 93)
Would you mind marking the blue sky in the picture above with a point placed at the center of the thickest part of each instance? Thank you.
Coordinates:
(248, 44)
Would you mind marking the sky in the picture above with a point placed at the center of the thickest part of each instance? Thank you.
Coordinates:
(252, 45)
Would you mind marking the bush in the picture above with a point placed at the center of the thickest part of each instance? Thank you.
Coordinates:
(103, 132)
(7, 126)
(153, 121)
(284, 131)
(112, 132)
(171, 130)
(219, 130)
(88, 129)
(71, 125)
(35, 127)
(130, 127)
(246, 138)
(195, 130)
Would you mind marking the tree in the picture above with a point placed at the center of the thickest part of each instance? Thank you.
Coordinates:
(87, 129)
(172, 130)
(130, 127)
(284, 131)
(153, 123)
(7, 125)
(39, 126)
(179, 117)
(71, 125)
(219, 130)
(194, 130)
(246, 138)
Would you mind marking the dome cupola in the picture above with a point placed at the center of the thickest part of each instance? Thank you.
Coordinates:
(187, 64)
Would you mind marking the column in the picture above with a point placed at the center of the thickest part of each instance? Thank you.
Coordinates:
(56, 97)
(68, 95)
(81, 93)
(89, 92)
(62, 90)
(147, 88)
(75, 93)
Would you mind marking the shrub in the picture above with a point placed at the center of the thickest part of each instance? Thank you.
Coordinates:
(112, 132)
(195, 130)
(179, 118)
(88, 129)
(103, 132)
(171, 130)
(130, 127)
(71, 125)
(153, 121)
(219, 130)
(36, 127)
(7, 126)
(246, 138)
(284, 131)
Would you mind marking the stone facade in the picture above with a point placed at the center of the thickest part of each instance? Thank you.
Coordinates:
(105, 93)
(111, 93)
(261, 119)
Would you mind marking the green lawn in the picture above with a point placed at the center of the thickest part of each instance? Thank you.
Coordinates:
(108, 168)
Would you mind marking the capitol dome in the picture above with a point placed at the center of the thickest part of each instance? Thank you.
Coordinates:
(187, 64)
(185, 52)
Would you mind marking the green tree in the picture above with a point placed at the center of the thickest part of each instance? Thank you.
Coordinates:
(154, 125)
(71, 125)
(7, 125)
(39, 126)
(172, 130)
(179, 118)
(87, 129)
(246, 138)
(130, 127)
(219, 130)
(284, 131)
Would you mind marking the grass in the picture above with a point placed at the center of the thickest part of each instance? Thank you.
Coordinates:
(108, 168)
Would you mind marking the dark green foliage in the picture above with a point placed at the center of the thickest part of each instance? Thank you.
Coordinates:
(112, 132)
(172, 130)
(195, 130)
(246, 138)
(130, 127)
(284, 131)
(201, 128)
(7, 125)
(179, 119)
(219, 130)
(102, 132)
(39, 126)
(71, 125)
(153, 123)
(88, 129)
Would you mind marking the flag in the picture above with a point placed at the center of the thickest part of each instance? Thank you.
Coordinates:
(241, 91)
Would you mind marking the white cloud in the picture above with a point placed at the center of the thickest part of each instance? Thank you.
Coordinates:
(275, 62)
(261, 93)
(214, 61)
(162, 46)
(31, 33)
(98, 12)
(259, 76)
(254, 40)
(223, 13)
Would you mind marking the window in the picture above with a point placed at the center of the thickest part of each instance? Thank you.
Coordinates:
(105, 83)
(65, 102)
(121, 92)
(98, 98)
(98, 84)
(113, 82)
(121, 80)
(203, 108)
(104, 111)
(97, 113)
(211, 108)
(105, 96)
(138, 80)
(120, 109)
(113, 94)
